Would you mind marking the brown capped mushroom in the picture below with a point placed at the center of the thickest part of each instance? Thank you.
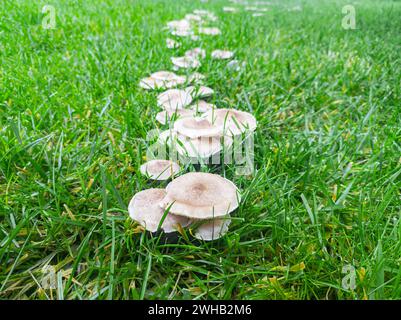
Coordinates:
(212, 229)
(145, 209)
(233, 121)
(200, 195)
(160, 169)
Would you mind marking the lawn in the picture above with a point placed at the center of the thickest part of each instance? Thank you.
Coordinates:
(319, 217)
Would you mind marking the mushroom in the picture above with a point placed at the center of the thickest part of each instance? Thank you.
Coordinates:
(202, 106)
(258, 14)
(145, 209)
(222, 54)
(212, 229)
(185, 62)
(200, 92)
(234, 122)
(196, 53)
(174, 99)
(162, 79)
(210, 31)
(199, 195)
(160, 169)
(230, 9)
(193, 17)
(235, 65)
(167, 115)
(179, 24)
(197, 127)
(195, 77)
(172, 44)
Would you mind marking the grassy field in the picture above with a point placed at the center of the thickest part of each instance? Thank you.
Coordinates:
(325, 195)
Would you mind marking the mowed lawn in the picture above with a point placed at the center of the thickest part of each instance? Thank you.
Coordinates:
(324, 202)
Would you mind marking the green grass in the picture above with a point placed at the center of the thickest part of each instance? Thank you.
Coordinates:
(73, 124)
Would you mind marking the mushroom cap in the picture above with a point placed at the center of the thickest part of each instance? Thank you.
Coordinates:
(202, 106)
(160, 169)
(210, 31)
(197, 127)
(145, 209)
(212, 229)
(185, 62)
(174, 99)
(168, 114)
(172, 44)
(196, 53)
(193, 17)
(165, 75)
(233, 121)
(182, 32)
(230, 9)
(200, 92)
(182, 24)
(196, 77)
(222, 54)
(201, 195)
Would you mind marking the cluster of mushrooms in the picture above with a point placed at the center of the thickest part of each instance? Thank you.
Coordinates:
(197, 129)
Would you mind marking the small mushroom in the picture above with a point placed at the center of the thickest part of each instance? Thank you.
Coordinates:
(212, 229)
(145, 209)
(233, 121)
(210, 31)
(196, 53)
(193, 17)
(160, 169)
(197, 127)
(230, 9)
(179, 24)
(165, 116)
(199, 195)
(174, 99)
(172, 44)
(202, 106)
(222, 54)
(195, 77)
(185, 62)
(200, 92)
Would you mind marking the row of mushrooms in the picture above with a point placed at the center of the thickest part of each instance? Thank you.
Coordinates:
(197, 129)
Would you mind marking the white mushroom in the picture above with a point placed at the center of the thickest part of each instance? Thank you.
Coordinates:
(160, 169)
(200, 195)
(165, 116)
(193, 17)
(172, 44)
(212, 229)
(145, 209)
(222, 54)
(185, 62)
(196, 53)
(202, 106)
(200, 92)
(174, 99)
(197, 127)
(210, 31)
(196, 77)
(230, 9)
(233, 121)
